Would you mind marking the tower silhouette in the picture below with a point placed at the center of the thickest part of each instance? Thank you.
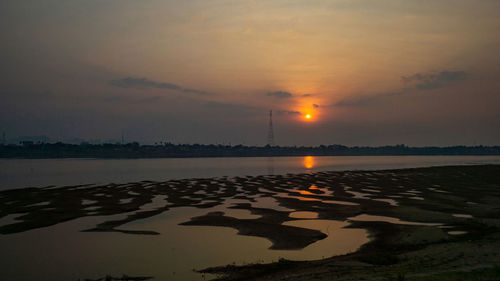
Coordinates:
(270, 133)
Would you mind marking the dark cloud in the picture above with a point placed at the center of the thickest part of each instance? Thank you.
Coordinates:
(418, 81)
(315, 105)
(131, 82)
(143, 83)
(435, 80)
(290, 112)
(280, 94)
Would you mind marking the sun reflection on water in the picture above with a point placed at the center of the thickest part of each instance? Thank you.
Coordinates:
(309, 162)
(305, 192)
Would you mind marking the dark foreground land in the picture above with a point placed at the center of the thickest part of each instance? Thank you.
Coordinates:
(462, 203)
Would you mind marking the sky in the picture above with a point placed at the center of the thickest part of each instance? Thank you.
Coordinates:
(194, 71)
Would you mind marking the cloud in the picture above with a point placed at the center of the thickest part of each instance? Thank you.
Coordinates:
(131, 82)
(143, 83)
(280, 94)
(418, 81)
(315, 105)
(290, 112)
(285, 95)
(434, 80)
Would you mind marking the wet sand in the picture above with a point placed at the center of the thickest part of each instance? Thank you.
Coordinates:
(425, 238)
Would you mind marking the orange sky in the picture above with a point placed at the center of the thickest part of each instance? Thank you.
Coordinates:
(366, 71)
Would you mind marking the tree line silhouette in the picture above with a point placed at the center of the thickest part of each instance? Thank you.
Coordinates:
(169, 150)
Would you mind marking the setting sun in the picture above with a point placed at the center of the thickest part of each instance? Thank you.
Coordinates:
(308, 116)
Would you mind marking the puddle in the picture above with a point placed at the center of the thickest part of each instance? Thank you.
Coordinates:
(340, 240)
(303, 192)
(306, 199)
(359, 195)
(437, 190)
(465, 216)
(446, 226)
(392, 202)
(304, 215)
(407, 193)
(340, 202)
(365, 217)
(324, 191)
(416, 198)
(413, 191)
(457, 232)
(88, 202)
(269, 203)
(10, 219)
(370, 190)
(92, 208)
(157, 202)
(39, 204)
(126, 200)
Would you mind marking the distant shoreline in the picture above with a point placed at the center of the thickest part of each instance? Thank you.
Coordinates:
(29, 150)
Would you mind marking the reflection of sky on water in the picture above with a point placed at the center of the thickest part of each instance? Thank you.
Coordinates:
(270, 165)
(69, 254)
(17, 173)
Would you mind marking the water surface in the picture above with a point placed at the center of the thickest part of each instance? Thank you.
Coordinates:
(16, 173)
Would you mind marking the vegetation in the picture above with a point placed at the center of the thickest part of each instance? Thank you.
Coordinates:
(166, 150)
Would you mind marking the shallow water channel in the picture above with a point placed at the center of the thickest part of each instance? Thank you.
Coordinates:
(62, 252)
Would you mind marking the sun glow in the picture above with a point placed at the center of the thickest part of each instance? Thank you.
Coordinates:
(308, 116)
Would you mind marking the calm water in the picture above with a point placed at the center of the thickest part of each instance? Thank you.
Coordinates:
(62, 252)
(16, 173)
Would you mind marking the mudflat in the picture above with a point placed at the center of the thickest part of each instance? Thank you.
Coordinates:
(424, 223)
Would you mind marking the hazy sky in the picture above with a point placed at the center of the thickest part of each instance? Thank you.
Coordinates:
(368, 72)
